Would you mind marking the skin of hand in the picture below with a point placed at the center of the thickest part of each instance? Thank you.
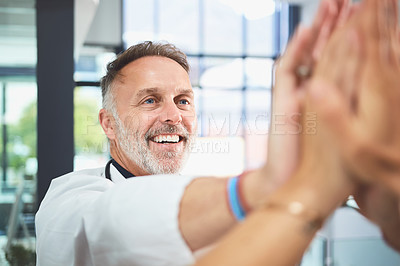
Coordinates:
(379, 200)
(369, 140)
(288, 91)
(376, 201)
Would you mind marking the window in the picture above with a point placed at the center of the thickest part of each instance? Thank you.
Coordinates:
(91, 145)
(231, 46)
(18, 104)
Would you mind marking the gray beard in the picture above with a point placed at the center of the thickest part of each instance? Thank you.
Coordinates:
(138, 151)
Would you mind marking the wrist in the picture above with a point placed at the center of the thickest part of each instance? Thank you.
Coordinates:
(256, 186)
(313, 191)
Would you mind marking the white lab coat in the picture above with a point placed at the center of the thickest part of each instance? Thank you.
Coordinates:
(85, 219)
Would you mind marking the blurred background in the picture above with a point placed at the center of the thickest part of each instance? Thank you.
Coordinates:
(52, 55)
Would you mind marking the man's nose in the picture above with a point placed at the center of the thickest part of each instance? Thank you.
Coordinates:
(171, 114)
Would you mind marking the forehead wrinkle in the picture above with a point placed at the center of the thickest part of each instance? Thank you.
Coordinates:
(186, 91)
(155, 90)
(146, 91)
(118, 79)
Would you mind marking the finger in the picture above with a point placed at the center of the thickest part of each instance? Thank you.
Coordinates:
(286, 76)
(391, 10)
(309, 38)
(325, 9)
(294, 53)
(368, 11)
(354, 59)
(285, 100)
(323, 27)
(354, 8)
(344, 12)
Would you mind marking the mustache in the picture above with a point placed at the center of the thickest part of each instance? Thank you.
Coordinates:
(168, 129)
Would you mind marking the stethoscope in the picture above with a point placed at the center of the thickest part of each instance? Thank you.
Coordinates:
(107, 169)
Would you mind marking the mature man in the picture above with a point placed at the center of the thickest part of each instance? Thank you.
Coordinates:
(105, 217)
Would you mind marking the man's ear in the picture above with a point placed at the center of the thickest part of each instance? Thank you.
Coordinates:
(107, 122)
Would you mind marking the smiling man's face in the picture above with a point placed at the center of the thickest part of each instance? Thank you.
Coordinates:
(156, 115)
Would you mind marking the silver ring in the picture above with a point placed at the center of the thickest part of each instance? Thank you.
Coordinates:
(303, 71)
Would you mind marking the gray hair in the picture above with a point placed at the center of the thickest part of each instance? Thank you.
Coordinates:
(133, 53)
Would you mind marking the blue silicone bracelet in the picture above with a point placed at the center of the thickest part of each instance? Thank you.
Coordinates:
(233, 198)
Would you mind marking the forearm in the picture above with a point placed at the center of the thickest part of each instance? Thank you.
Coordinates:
(205, 213)
(272, 234)
(257, 242)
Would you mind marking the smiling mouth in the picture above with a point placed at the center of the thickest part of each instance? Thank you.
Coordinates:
(167, 139)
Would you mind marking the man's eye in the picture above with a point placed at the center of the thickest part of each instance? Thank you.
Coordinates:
(149, 101)
(183, 102)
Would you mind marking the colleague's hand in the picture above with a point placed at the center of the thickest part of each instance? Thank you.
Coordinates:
(367, 130)
(373, 149)
(319, 154)
(379, 158)
(301, 54)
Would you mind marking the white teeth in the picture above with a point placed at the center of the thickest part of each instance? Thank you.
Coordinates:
(168, 138)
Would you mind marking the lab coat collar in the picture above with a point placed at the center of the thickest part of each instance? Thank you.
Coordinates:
(116, 176)
(121, 169)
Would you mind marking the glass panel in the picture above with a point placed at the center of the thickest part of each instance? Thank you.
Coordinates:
(198, 101)
(18, 105)
(222, 28)
(258, 72)
(220, 146)
(261, 32)
(363, 251)
(179, 24)
(18, 168)
(316, 252)
(138, 22)
(18, 34)
(222, 113)
(91, 146)
(194, 73)
(258, 107)
(222, 73)
(92, 62)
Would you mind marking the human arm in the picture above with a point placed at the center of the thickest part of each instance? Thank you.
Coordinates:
(211, 213)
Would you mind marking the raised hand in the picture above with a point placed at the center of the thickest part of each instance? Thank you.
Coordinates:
(367, 128)
(301, 54)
